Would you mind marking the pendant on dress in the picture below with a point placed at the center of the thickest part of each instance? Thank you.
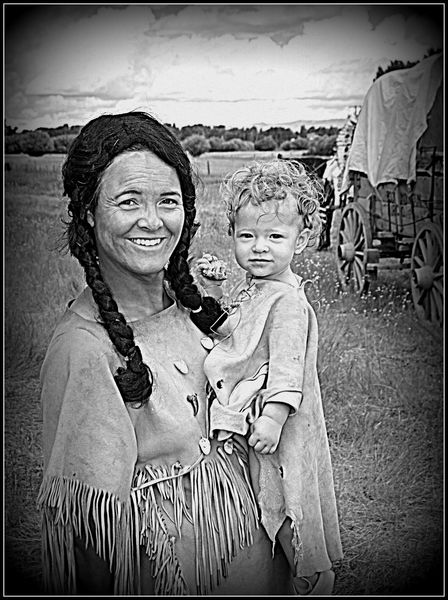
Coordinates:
(205, 446)
(207, 343)
(228, 446)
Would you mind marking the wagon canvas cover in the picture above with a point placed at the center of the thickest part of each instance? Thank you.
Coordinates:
(394, 116)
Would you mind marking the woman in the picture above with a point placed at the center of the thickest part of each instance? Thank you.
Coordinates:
(135, 498)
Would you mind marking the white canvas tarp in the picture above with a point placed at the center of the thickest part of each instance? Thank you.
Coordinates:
(391, 121)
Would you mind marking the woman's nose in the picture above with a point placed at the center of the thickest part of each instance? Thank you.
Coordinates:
(150, 219)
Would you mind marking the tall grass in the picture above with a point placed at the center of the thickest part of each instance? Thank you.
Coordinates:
(381, 372)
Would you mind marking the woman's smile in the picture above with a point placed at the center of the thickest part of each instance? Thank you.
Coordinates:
(147, 242)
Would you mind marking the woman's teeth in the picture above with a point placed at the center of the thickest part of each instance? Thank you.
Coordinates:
(146, 242)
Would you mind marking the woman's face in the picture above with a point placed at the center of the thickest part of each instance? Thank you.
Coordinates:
(140, 214)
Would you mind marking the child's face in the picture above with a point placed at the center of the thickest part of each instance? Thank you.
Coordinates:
(267, 237)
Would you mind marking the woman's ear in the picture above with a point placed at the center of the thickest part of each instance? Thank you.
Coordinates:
(90, 219)
(302, 241)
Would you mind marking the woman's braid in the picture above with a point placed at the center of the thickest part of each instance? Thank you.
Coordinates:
(134, 381)
(182, 282)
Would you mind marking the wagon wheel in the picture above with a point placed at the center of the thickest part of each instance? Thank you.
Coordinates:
(427, 273)
(354, 237)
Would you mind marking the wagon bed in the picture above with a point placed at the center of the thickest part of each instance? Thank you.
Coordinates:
(392, 194)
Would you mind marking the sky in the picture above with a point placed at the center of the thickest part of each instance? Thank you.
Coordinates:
(236, 65)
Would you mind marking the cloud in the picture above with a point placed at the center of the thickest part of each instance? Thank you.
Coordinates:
(270, 59)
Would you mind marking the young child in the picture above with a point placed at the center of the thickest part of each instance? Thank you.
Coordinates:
(263, 368)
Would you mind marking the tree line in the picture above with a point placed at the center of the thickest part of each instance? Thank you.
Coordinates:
(196, 139)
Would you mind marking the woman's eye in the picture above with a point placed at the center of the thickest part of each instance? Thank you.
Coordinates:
(127, 202)
(170, 202)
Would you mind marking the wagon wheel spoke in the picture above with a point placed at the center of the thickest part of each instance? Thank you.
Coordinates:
(435, 307)
(436, 263)
(421, 294)
(344, 236)
(428, 312)
(423, 250)
(349, 222)
(357, 228)
(438, 303)
(432, 250)
(438, 284)
(359, 272)
(360, 243)
(345, 268)
(420, 262)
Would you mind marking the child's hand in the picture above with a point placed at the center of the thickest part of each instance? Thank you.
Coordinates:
(210, 273)
(265, 435)
(211, 267)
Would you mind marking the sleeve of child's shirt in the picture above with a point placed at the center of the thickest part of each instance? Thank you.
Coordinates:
(287, 342)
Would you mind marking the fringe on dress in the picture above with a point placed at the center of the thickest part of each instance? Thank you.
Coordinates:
(223, 514)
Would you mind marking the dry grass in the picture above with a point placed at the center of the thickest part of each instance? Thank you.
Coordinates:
(381, 373)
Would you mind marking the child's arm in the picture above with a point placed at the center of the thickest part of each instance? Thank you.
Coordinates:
(266, 430)
(288, 334)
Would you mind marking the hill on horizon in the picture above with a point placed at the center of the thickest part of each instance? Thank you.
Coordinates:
(296, 125)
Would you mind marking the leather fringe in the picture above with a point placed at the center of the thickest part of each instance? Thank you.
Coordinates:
(223, 514)
(71, 508)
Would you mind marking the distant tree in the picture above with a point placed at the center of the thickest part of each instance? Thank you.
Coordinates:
(322, 145)
(280, 134)
(36, 143)
(10, 130)
(234, 133)
(236, 145)
(395, 65)
(232, 145)
(62, 142)
(215, 143)
(189, 130)
(196, 144)
(298, 143)
(265, 143)
(13, 143)
(251, 134)
(217, 131)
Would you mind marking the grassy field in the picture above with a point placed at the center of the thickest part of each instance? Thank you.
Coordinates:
(381, 372)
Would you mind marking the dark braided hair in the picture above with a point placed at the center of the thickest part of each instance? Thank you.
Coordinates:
(93, 150)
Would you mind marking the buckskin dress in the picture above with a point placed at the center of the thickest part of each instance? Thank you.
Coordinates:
(127, 491)
(266, 351)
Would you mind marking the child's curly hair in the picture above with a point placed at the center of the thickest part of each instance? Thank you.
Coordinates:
(259, 182)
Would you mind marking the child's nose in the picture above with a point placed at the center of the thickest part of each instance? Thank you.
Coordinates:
(260, 245)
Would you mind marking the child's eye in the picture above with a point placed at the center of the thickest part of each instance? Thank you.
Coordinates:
(276, 236)
(245, 236)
